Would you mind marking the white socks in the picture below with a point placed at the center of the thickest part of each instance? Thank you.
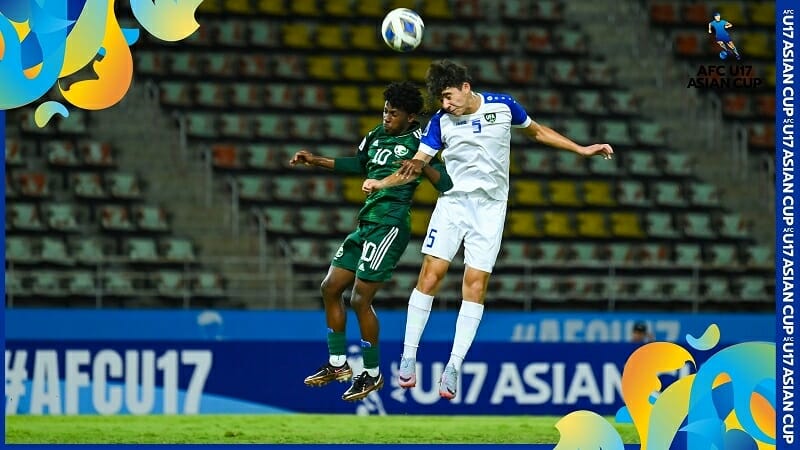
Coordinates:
(469, 317)
(419, 309)
(337, 360)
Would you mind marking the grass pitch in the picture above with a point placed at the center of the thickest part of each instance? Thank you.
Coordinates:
(288, 429)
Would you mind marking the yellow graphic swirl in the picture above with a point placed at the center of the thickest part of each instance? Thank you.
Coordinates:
(114, 71)
(574, 436)
(168, 20)
(640, 380)
(84, 40)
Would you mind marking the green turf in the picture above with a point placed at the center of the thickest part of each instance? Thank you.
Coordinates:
(285, 429)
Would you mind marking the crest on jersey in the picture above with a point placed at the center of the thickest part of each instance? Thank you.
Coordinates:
(490, 117)
(400, 150)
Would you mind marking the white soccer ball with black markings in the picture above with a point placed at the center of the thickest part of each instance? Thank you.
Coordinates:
(402, 29)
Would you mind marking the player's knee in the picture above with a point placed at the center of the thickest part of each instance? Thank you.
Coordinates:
(329, 288)
(359, 301)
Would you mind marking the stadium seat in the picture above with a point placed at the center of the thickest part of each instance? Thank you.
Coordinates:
(262, 157)
(585, 253)
(537, 162)
(54, 251)
(151, 218)
(76, 123)
(15, 153)
(123, 185)
(549, 253)
(723, 256)
(570, 41)
(654, 255)
(664, 13)
(538, 40)
(716, 289)
(632, 193)
(115, 218)
(695, 13)
(150, 63)
(528, 192)
(677, 164)
(21, 249)
(642, 163)
(356, 68)
(176, 93)
(615, 131)
(16, 285)
(297, 35)
(417, 68)
(688, 44)
(61, 154)
(487, 70)
(557, 224)
(547, 11)
(570, 163)
(347, 98)
(578, 130)
(33, 184)
(563, 72)
(704, 195)
(733, 225)
(178, 250)
(598, 73)
(425, 194)
(351, 190)
(765, 106)
(211, 94)
(88, 250)
(247, 95)
(515, 253)
(47, 284)
(733, 12)
(669, 194)
(622, 102)
(208, 284)
(598, 193)
(340, 128)
(24, 217)
(563, 193)
(330, 36)
(660, 225)
(592, 224)
(240, 126)
(225, 157)
(118, 283)
(272, 125)
(81, 283)
(97, 154)
(627, 225)
(141, 250)
(289, 189)
(344, 220)
(752, 288)
(224, 65)
(522, 224)
(201, 125)
(687, 255)
(253, 188)
(589, 102)
(649, 134)
(62, 216)
(187, 64)
(88, 185)
(323, 68)
(257, 65)
(698, 225)
(607, 167)
(325, 189)
(281, 220)
(737, 105)
(761, 135)
(315, 220)
(170, 284)
(759, 256)
(520, 72)
(682, 289)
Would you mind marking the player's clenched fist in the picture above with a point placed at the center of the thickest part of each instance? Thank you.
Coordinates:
(302, 157)
(370, 186)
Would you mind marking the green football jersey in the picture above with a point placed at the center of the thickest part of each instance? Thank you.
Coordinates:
(380, 154)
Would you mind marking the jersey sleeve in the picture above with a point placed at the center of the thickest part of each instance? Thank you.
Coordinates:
(431, 141)
(445, 183)
(519, 117)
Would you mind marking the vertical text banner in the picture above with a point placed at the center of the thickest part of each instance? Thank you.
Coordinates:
(786, 199)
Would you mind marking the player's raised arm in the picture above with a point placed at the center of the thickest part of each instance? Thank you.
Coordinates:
(550, 137)
(435, 172)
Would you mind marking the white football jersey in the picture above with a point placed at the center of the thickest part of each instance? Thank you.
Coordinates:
(476, 147)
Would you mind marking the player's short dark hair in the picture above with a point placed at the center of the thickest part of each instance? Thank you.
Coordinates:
(445, 74)
(640, 326)
(405, 96)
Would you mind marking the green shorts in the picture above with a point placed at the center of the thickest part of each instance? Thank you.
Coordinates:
(373, 250)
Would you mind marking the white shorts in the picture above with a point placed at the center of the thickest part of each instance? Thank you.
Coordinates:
(475, 219)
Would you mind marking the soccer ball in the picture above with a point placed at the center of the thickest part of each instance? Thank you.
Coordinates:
(723, 54)
(402, 29)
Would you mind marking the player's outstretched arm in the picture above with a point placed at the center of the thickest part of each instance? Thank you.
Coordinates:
(552, 138)
(436, 173)
(412, 168)
(351, 165)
